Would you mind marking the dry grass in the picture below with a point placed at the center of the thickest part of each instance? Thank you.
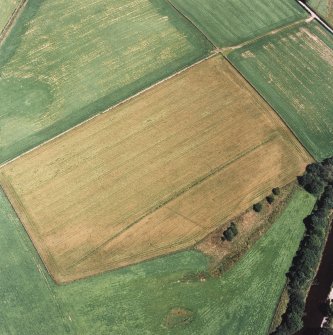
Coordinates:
(251, 226)
(154, 175)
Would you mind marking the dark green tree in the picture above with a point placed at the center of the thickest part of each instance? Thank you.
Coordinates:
(257, 207)
(270, 199)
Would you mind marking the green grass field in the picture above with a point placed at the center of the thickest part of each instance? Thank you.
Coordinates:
(229, 23)
(137, 299)
(293, 70)
(65, 61)
(7, 7)
(324, 8)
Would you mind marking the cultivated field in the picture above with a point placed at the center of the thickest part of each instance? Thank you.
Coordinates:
(154, 175)
(7, 7)
(324, 8)
(138, 299)
(293, 70)
(67, 60)
(228, 23)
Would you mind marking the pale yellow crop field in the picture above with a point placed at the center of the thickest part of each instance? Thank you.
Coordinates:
(153, 175)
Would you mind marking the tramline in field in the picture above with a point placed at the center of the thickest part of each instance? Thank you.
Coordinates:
(65, 61)
(293, 70)
(154, 175)
(7, 8)
(229, 23)
(139, 298)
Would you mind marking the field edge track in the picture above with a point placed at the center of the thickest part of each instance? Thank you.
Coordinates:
(292, 140)
(316, 16)
(11, 21)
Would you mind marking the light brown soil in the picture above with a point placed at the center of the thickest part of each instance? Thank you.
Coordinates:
(153, 176)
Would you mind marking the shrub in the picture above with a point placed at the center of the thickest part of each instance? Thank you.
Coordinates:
(257, 207)
(228, 234)
(233, 228)
(270, 199)
(276, 191)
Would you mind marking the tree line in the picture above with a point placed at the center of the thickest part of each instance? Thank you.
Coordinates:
(317, 180)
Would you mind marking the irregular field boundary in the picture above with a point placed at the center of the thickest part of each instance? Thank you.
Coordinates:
(27, 221)
(183, 191)
(37, 240)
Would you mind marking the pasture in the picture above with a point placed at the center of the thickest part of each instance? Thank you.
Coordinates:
(7, 8)
(293, 70)
(137, 300)
(154, 175)
(228, 23)
(65, 61)
(323, 8)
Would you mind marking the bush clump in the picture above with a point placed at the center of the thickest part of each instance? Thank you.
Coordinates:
(257, 207)
(230, 233)
(270, 199)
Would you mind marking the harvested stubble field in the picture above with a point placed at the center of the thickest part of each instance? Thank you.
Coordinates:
(324, 8)
(138, 300)
(7, 8)
(154, 175)
(65, 61)
(293, 70)
(228, 23)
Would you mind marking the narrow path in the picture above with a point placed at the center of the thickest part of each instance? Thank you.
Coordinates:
(257, 38)
(11, 22)
(314, 15)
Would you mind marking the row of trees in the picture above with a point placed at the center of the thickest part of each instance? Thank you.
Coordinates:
(270, 199)
(318, 180)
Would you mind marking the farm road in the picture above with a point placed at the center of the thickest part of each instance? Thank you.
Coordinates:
(7, 28)
(313, 14)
